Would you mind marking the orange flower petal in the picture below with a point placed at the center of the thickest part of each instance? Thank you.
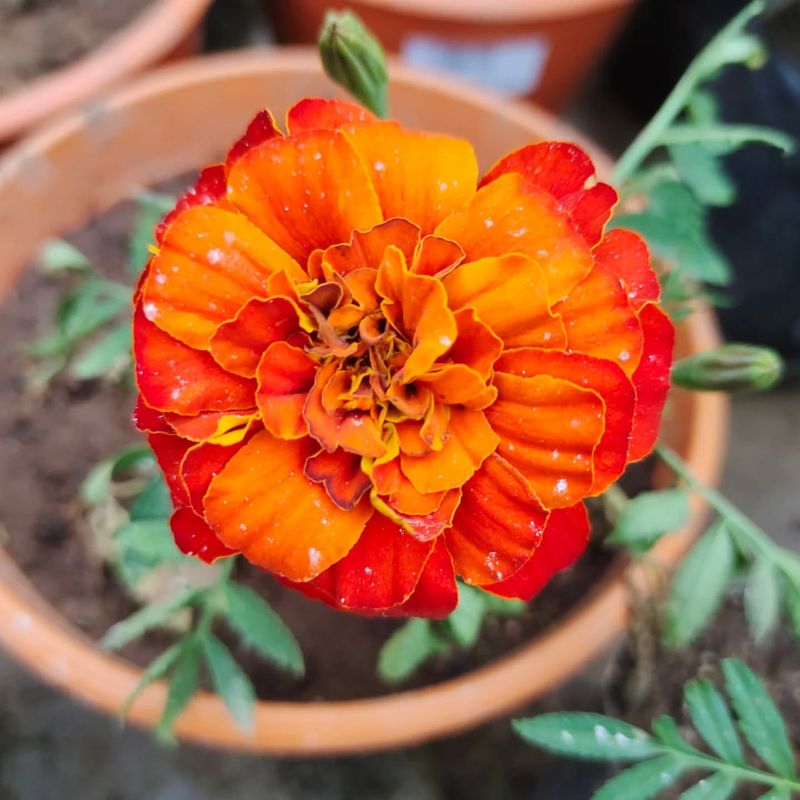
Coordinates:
(399, 493)
(193, 536)
(504, 217)
(624, 254)
(201, 463)
(435, 256)
(566, 173)
(174, 377)
(217, 427)
(354, 431)
(314, 113)
(169, 451)
(549, 429)
(416, 306)
(604, 378)
(497, 526)
(436, 595)
(651, 380)
(365, 249)
(262, 505)
(470, 439)
(239, 344)
(306, 191)
(210, 263)
(261, 129)
(285, 376)
(476, 345)
(420, 176)
(148, 419)
(209, 189)
(600, 322)
(565, 538)
(426, 526)
(509, 294)
(458, 384)
(341, 474)
(379, 573)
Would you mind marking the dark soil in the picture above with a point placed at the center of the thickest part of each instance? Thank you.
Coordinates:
(42, 35)
(648, 680)
(47, 445)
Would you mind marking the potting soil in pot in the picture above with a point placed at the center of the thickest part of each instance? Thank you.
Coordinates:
(41, 35)
(48, 443)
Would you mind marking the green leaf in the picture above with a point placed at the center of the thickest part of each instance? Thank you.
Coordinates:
(407, 649)
(648, 516)
(152, 208)
(153, 502)
(791, 602)
(716, 787)
(262, 629)
(58, 256)
(733, 135)
(105, 357)
(711, 717)
(230, 682)
(776, 794)
(141, 546)
(642, 781)
(156, 669)
(699, 585)
(143, 620)
(95, 487)
(88, 308)
(589, 736)
(762, 598)
(465, 622)
(759, 719)
(503, 606)
(666, 730)
(702, 172)
(182, 685)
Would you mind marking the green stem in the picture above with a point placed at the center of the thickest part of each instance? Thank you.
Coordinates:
(726, 134)
(751, 536)
(651, 135)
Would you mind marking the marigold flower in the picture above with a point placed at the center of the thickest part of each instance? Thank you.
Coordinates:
(368, 371)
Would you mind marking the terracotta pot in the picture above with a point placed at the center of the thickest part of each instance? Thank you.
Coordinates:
(539, 49)
(166, 29)
(77, 168)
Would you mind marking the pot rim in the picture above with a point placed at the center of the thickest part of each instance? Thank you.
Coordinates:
(407, 717)
(498, 12)
(145, 40)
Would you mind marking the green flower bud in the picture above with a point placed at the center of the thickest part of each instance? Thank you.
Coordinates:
(729, 368)
(354, 58)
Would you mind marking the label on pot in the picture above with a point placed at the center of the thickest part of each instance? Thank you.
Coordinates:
(510, 67)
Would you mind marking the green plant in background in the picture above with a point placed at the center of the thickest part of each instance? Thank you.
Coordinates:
(664, 757)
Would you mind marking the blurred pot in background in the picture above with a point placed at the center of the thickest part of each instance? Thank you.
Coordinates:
(759, 233)
(540, 49)
(165, 29)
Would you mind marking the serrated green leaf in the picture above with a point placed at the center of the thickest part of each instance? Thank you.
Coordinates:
(407, 649)
(759, 719)
(666, 730)
(465, 622)
(181, 686)
(648, 516)
(762, 599)
(702, 172)
(642, 781)
(230, 682)
(153, 502)
(58, 256)
(711, 717)
(155, 670)
(715, 787)
(143, 620)
(105, 357)
(262, 629)
(699, 585)
(141, 546)
(593, 737)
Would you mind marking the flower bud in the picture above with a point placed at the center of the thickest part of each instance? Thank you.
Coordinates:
(354, 58)
(729, 368)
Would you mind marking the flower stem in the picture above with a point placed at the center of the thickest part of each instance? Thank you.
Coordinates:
(750, 536)
(651, 136)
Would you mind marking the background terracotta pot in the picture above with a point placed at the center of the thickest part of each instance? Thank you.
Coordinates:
(165, 29)
(67, 174)
(541, 49)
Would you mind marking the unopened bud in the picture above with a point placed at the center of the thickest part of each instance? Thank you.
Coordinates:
(354, 58)
(729, 368)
